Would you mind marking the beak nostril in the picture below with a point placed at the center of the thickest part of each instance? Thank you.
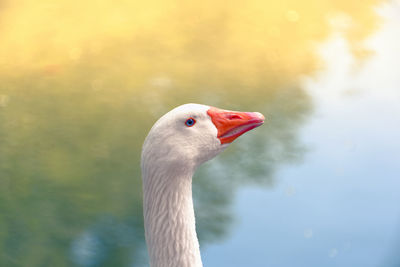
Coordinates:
(233, 117)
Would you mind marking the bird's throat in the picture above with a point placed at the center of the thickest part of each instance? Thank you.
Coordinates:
(169, 220)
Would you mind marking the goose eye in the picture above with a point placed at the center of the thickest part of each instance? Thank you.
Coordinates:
(190, 122)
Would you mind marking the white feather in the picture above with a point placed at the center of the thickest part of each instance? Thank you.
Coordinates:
(170, 155)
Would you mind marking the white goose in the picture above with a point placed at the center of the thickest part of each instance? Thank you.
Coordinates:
(180, 141)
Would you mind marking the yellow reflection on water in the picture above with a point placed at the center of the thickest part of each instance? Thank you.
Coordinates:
(243, 38)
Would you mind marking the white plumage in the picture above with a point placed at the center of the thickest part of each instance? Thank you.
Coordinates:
(176, 145)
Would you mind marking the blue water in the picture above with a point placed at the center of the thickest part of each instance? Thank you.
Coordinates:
(341, 205)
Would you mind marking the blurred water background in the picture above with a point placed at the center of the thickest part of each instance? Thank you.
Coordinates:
(81, 84)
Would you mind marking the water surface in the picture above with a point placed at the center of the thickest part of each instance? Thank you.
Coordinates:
(340, 206)
(315, 186)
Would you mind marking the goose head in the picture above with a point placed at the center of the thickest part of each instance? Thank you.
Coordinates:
(191, 134)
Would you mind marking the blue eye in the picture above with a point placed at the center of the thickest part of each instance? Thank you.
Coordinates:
(190, 122)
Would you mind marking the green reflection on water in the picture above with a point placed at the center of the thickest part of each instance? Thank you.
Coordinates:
(71, 131)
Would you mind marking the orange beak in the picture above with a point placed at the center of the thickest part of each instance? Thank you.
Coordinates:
(232, 124)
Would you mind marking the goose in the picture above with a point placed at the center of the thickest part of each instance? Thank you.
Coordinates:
(175, 146)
